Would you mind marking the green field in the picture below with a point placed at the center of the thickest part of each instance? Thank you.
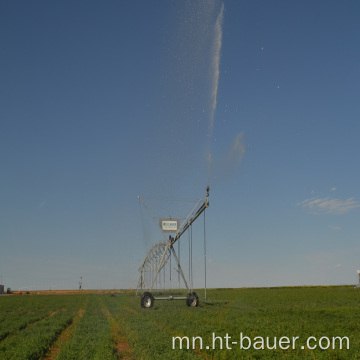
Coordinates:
(114, 326)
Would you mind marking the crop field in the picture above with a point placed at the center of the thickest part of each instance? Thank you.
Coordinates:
(254, 323)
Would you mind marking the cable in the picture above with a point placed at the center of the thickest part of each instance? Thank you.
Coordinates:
(179, 262)
(205, 253)
(192, 285)
(170, 270)
(189, 259)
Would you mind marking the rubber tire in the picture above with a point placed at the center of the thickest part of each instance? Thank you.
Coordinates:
(147, 300)
(192, 299)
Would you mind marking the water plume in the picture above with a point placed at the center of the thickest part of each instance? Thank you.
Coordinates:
(191, 82)
(216, 66)
(215, 71)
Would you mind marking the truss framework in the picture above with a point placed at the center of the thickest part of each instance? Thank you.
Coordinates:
(161, 253)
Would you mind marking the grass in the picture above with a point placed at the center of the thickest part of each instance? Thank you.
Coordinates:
(104, 326)
(42, 320)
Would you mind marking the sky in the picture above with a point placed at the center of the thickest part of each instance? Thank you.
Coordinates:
(102, 102)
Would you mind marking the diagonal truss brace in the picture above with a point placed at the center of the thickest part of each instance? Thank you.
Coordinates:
(163, 260)
(172, 241)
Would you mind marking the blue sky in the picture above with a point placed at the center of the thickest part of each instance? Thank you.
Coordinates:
(103, 101)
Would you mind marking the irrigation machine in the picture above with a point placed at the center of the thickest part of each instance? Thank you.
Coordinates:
(161, 255)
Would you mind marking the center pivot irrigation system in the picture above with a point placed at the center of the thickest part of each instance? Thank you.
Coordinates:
(152, 269)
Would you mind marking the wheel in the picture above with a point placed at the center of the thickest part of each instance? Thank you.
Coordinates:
(147, 300)
(192, 299)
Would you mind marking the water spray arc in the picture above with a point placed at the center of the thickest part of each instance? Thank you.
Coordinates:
(215, 70)
(161, 253)
(216, 65)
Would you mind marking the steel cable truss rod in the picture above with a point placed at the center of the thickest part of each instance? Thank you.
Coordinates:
(197, 214)
(163, 260)
(147, 209)
(179, 267)
(161, 264)
(151, 262)
(152, 255)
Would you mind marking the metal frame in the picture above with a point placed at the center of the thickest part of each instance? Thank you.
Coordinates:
(160, 254)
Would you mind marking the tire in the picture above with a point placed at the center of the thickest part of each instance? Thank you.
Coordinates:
(147, 300)
(192, 300)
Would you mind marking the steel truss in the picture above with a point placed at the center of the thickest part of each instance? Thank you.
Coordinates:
(161, 253)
